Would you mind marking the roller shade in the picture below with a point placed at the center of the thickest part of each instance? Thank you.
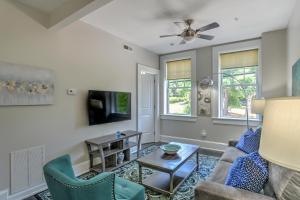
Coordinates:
(239, 59)
(179, 69)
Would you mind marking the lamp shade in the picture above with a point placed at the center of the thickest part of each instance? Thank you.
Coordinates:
(280, 139)
(258, 106)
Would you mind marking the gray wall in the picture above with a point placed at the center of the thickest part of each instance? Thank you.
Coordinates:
(273, 72)
(293, 44)
(274, 62)
(82, 57)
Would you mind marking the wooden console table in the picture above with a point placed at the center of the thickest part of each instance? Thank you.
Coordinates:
(109, 146)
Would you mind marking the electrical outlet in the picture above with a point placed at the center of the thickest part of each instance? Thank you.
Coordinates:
(71, 91)
(203, 133)
(128, 48)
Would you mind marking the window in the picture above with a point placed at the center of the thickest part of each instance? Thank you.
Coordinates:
(179, 85)
(238, 74)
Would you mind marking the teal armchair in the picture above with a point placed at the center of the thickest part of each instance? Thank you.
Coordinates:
(63, 185)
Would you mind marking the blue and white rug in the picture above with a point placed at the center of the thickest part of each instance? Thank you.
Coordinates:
(130, 172)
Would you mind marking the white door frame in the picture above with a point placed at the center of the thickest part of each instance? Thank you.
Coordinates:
(143, 68)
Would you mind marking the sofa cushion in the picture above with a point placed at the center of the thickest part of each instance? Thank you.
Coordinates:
(125, 190)
(268, 189)
(285, 182)
(248, 172)
(207, 190)
(231, 153)
(220, 172)
(249, 141)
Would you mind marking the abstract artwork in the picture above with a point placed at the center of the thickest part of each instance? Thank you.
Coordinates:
(296, 79)
(25, 85)
(204, 97)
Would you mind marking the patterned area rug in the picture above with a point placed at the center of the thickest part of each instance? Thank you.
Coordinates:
(130, 172)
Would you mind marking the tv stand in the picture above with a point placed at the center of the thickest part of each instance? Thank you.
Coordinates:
(108, 147)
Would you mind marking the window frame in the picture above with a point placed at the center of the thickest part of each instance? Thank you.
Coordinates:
(216, 106)
(168, 96)
(221, 92)
(164, 101)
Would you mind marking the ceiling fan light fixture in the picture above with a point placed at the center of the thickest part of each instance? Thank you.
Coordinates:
(189, 34)
(189, 38)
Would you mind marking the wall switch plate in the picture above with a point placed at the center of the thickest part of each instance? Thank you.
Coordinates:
(71, 91)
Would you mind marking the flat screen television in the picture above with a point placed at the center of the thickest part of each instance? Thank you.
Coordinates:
(107, 106)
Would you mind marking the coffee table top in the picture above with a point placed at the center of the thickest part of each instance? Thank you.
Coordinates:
(159, 160)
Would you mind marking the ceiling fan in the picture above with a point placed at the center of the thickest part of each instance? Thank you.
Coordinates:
(190, 34)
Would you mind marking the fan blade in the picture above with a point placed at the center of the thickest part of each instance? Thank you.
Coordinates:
(206, 37)
(182, 42)
(163, 36)
(178, 23)
(208, 27)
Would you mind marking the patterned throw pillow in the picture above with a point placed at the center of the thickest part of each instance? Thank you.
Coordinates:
(248, 172)
(249, 141)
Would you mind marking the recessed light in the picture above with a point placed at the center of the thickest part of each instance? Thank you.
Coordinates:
(236, 19)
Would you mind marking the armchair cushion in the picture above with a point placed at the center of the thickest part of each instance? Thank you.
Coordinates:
(61, 165)
(125, 189)
(63, 185)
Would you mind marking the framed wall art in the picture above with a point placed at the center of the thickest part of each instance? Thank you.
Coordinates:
(25, 85)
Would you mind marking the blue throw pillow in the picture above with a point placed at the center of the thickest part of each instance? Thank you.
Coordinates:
(248, 172)
(249, 141)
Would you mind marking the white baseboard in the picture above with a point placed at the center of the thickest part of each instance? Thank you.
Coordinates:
(27, 193)
(79, 169)
(211, 145)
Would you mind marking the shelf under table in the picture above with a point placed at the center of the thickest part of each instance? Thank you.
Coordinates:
(114, 151)
(160, 181)
(98, 168)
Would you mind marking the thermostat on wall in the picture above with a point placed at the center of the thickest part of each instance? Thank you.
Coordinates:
(71, 91)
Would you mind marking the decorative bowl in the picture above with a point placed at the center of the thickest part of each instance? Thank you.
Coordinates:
(170, 148)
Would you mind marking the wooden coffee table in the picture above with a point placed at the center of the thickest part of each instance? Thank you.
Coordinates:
(172, 170)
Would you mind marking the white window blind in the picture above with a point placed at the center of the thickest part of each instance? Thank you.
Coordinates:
(179, 69)
(239, 59)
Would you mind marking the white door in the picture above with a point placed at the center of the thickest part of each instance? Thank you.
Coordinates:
(146, 109)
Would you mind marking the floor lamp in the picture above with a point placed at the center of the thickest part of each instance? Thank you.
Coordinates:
(280, 137)
(258, 106)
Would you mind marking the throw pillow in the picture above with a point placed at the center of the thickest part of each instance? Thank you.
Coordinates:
(249, 141)
(248, 172)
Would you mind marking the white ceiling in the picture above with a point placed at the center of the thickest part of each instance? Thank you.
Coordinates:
(46, 6)
(143, 21)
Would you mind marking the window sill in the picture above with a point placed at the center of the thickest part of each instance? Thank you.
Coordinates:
(179, 118)
(237, 122)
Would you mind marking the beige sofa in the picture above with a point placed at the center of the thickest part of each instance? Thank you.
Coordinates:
(282, 182)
